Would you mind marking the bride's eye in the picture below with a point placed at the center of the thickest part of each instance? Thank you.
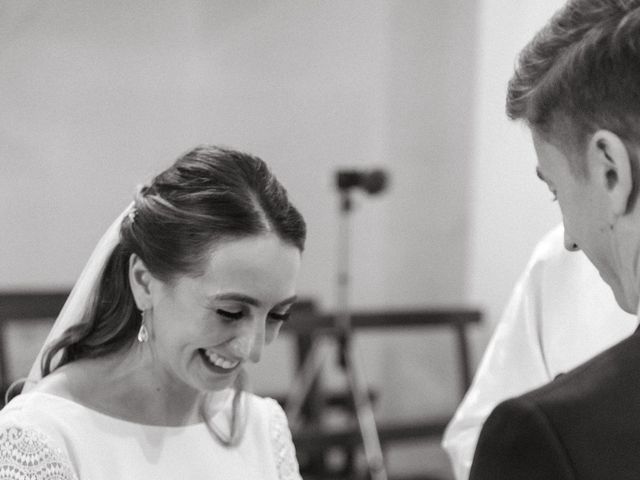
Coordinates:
(230, 315)
(280, 317)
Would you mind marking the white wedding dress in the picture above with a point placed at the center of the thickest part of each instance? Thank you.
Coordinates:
(47, 437)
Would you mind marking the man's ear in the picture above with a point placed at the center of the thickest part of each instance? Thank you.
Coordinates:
(609, 161)
(140, 280)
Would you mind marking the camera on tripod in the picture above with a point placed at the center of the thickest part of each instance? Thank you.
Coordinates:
(372, 181)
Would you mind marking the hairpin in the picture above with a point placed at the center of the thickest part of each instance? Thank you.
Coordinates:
(132, 214)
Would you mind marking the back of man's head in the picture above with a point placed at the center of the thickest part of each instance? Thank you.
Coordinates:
(581, 73)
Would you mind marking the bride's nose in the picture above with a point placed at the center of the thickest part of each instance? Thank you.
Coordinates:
(249, 341)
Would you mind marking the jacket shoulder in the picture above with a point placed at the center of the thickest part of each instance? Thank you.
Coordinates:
(518, 440)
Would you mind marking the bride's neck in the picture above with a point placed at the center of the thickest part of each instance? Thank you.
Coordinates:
(127, 386)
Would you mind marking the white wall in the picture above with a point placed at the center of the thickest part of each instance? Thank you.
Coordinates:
(98, 96)
(510, 208)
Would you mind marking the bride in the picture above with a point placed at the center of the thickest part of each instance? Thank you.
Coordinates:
(142, 373)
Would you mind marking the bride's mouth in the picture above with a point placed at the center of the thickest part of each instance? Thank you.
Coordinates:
(217, 362)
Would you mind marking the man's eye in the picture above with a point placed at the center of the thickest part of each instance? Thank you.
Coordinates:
(230, 315)
(280, 317)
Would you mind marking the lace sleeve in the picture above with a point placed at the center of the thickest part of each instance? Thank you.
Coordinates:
(284, 451)
(26, 453)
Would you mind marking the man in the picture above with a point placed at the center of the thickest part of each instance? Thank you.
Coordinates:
(577, 86)
(560, 314)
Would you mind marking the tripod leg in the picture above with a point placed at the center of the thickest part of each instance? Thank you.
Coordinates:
(303, 383)
(366, 419)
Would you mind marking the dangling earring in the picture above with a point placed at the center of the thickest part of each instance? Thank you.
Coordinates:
(143, 334)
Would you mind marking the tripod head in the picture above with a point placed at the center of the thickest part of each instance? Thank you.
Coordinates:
(372, 182)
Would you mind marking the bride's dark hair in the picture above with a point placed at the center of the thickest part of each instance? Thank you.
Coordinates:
(208, 195)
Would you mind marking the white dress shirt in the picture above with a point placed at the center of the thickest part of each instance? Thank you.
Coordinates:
(560, 314)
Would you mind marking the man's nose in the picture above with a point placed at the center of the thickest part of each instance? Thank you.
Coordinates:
(569, 243)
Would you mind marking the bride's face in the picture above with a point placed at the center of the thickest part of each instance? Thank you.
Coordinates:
(204, 328)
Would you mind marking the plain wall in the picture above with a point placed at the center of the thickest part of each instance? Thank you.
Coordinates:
(510, 208)
(97, 97)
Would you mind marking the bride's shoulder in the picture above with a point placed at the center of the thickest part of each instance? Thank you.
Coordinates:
(274, 422)
(267, 404)
(267, 409)
(39, 403)
(60, 382)
(259, 411)
(31, 445)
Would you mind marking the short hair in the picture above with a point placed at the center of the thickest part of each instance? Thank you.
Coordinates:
(209, 195)
(581, 73)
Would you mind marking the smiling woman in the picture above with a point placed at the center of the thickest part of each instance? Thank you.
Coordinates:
(142, 376)
(227, 313)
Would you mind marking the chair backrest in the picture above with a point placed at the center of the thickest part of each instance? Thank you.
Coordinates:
(25, 320)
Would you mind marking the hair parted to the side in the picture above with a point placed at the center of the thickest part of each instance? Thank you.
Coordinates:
(208, 195)
(581, 73)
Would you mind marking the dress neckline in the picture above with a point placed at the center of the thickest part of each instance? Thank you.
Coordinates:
(219, 403)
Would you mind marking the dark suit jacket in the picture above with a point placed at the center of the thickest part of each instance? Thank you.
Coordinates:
(584, 425)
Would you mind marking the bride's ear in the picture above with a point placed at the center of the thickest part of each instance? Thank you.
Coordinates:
(140, 279)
